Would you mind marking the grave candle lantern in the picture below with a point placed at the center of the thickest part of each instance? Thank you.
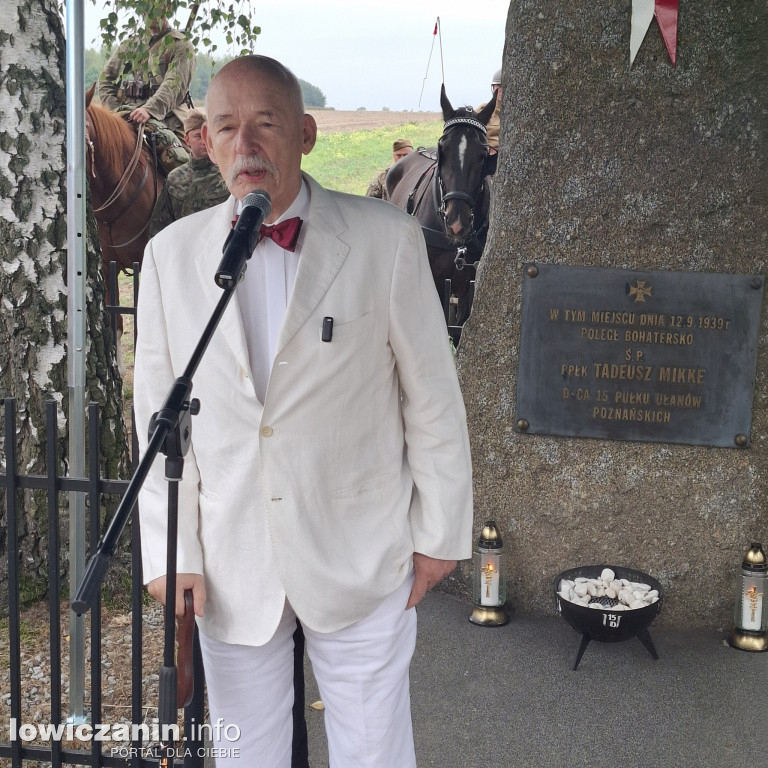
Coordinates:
(489, 579)
(750, 615)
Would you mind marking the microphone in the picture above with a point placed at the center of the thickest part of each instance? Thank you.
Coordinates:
(243, 238)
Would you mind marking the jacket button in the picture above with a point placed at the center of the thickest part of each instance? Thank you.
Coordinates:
(266, 431)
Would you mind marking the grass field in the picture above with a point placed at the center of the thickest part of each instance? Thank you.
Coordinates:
(349, 161)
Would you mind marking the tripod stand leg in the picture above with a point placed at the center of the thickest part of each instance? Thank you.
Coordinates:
(645, 639)
(583, 647)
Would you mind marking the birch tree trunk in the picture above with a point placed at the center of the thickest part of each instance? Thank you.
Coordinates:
(33, 291)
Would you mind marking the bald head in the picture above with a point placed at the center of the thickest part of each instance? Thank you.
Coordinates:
(263, 67)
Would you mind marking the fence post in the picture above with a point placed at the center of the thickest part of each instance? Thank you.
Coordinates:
(54, 610)
(94, 452)
(14, 629)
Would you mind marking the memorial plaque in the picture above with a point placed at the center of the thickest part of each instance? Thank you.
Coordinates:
(633, 355)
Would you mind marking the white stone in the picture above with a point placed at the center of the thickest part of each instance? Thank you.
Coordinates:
(586, 592)
(626, 597)
(607, 574)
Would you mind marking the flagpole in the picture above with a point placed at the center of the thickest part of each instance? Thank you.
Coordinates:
(429, 61)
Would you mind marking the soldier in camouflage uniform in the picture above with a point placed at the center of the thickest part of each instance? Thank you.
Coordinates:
(194, 186)
(377, 188)
(159, 97)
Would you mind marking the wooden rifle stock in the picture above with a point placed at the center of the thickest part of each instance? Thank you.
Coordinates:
(191, 20)
(185, 632)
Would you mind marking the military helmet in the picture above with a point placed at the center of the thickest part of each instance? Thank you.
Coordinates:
(496, 78)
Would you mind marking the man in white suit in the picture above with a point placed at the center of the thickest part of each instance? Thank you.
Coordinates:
(329, 475)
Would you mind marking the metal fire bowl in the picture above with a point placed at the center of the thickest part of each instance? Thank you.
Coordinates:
(595, 623)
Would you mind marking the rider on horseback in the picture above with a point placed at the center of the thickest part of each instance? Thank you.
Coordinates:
(494, 121)
(157, 94)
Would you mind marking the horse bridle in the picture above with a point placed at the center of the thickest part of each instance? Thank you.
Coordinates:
(441, 196)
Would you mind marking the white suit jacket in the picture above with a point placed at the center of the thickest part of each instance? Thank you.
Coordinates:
(359, 455)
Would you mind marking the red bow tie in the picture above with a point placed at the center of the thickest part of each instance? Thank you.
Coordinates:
(285, 234)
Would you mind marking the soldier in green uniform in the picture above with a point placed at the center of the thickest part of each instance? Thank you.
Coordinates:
(158, 97)
(377, 188)
(194, 186)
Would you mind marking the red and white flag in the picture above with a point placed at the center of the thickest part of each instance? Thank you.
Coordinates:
(643, 12)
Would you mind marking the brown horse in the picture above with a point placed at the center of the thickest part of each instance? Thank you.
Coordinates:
(448, 190)
(124, 181)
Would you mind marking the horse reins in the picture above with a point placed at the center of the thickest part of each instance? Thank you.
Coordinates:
(127, 173)
(412, 205)
(121, 186)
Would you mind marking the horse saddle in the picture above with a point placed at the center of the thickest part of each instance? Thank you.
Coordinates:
(161, 141)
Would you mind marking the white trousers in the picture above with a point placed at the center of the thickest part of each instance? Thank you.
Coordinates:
(362, 674)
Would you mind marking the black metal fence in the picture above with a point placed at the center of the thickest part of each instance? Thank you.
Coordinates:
(137, 753)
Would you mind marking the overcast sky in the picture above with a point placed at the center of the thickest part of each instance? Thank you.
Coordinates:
(374, 53)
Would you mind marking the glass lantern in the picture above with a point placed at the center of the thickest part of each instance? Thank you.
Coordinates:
(489, 579)
(750, 615)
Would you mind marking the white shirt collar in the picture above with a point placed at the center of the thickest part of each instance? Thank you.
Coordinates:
(299, 207)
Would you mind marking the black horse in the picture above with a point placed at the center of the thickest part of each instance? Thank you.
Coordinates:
(448, 190)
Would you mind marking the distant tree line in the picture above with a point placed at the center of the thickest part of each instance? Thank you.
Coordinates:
(206, 66)
(313, 96)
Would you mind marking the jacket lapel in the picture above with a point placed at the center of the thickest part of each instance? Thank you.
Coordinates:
(322, 254)
(211, 246)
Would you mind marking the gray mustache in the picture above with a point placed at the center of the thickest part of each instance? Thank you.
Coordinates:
(250, 165)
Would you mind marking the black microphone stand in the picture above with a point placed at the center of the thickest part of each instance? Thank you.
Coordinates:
(170, 432)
